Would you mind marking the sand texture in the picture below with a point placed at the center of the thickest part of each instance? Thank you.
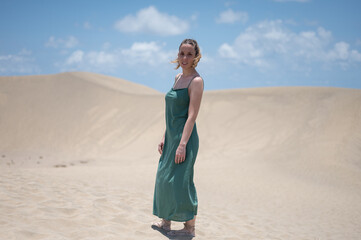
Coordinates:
(78, 158)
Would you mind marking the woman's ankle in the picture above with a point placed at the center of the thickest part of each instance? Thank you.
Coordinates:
(190, 223)
(166, 222)
(189, 227)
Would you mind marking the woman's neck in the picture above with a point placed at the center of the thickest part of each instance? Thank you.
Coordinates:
(189, 72)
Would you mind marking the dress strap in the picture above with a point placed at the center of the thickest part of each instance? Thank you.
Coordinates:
(192, 80)
(179, 76)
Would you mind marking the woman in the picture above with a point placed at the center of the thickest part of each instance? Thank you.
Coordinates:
(175, 197)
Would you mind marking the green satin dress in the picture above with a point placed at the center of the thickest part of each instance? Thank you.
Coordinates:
(175, 196)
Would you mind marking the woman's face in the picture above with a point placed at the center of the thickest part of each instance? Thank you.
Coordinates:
(186, 56)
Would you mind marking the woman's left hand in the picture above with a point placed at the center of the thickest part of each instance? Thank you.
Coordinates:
(180, 154)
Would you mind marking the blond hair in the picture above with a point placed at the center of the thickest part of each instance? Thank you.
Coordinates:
(196, 49)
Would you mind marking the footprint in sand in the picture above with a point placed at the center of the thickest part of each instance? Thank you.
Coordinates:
(60, 166)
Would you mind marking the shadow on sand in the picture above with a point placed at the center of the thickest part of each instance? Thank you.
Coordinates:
(174, 237)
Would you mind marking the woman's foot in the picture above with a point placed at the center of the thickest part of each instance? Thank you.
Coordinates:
(162, 224)
(189, 230)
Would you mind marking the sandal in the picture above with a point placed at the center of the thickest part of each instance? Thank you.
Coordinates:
(162, 224)
(186, 231)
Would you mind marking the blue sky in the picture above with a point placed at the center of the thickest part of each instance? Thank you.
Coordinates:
(256, 43)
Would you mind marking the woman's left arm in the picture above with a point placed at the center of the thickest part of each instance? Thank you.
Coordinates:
(195, 97)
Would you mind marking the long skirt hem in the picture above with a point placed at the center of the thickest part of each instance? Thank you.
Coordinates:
(176, 220)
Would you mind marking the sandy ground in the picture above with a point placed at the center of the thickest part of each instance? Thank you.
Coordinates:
(78, 158)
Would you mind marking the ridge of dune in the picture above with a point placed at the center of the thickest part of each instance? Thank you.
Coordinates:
(112, 83)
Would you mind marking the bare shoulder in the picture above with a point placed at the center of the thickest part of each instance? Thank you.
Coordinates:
(177, 76)
(196, 87)
(198, 79)
(197, 83)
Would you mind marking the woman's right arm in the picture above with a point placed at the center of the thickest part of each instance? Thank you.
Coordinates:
(161, 144)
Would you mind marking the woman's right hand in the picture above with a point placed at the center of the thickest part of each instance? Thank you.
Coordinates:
(160, 147)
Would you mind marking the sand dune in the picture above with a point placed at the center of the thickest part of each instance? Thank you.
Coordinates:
(78, 157)
(73, 116)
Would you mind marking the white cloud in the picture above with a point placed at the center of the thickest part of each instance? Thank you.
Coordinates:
(106, 45)
(150, 20)
(341, 51)
(22, 62)
(140, 53)
(101, 58)
(69, 42)
(194, 17)
(150, 53)
(75, 57)
(230, 16)
(227, 51)
(93, 60)
(25, 52)
(87, 25)
(270, 44)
